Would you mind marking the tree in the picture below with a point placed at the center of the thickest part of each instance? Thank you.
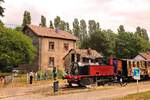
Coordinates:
(1, 9)
(92, 26)
(97, 26)
(68, 28)
(129, 45)
(76, 28)
(111, 37)
(26, 18)
(97, 41)
(57, 22)
(122, 45)
(62, 25)
(19, 28)
(138, 31)
(15, 49)
(51, 25)
(121, 29)
(43, 21)
(142, 33)
(83, 29)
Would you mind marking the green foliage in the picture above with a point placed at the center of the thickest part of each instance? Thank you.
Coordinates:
(57, 22)
(83, 29)
(128, 45)
(122, 45)
(68, 27)
(26, 18)
(97, 26)
(111, 37)
(43, 21)
(1, 9)
(60, 74)
(142, 33)
(121, 29)
(98, 41)
(76, 28)
(51, 25)
(92, 26)
(5, 74)
(62, 25)
(15, 48)
(19, 28)
(42, 74)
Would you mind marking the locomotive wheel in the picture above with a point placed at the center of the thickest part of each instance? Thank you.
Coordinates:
(85, 81)
(80, 85)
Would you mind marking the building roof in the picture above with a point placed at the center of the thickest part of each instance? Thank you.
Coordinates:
(52, 33)
(87, 53)
(145, 55)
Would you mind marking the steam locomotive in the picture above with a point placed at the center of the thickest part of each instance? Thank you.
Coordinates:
(102, 73)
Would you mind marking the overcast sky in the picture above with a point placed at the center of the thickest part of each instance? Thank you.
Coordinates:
(110, 13)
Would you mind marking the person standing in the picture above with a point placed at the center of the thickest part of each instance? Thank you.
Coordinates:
(54, 73)
(31, 77)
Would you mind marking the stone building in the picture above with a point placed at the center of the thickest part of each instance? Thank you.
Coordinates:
(82, 56)
(52, 45)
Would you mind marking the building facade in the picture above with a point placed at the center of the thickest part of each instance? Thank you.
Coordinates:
(82, 57)
(52, 45)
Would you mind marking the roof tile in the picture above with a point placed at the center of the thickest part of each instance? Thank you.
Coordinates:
(48, 32)
(146, 55)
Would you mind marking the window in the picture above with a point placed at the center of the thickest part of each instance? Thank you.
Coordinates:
(72, 58)
(51, 45)
(51, 61)
(66, 46)
(145, 64)
(85, 60)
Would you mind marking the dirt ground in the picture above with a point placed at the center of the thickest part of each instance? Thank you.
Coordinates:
(104, 93)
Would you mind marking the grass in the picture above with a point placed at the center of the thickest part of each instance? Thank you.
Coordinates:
(21, 81)
(48, 91)
(4, 74)
(25, 84)
(136, 96)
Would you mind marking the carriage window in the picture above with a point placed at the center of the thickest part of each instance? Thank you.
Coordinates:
(133, 64)
(145, 64)
(148, 63)
(137, 64)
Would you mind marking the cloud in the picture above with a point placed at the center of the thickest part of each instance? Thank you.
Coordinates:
(110, 13)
